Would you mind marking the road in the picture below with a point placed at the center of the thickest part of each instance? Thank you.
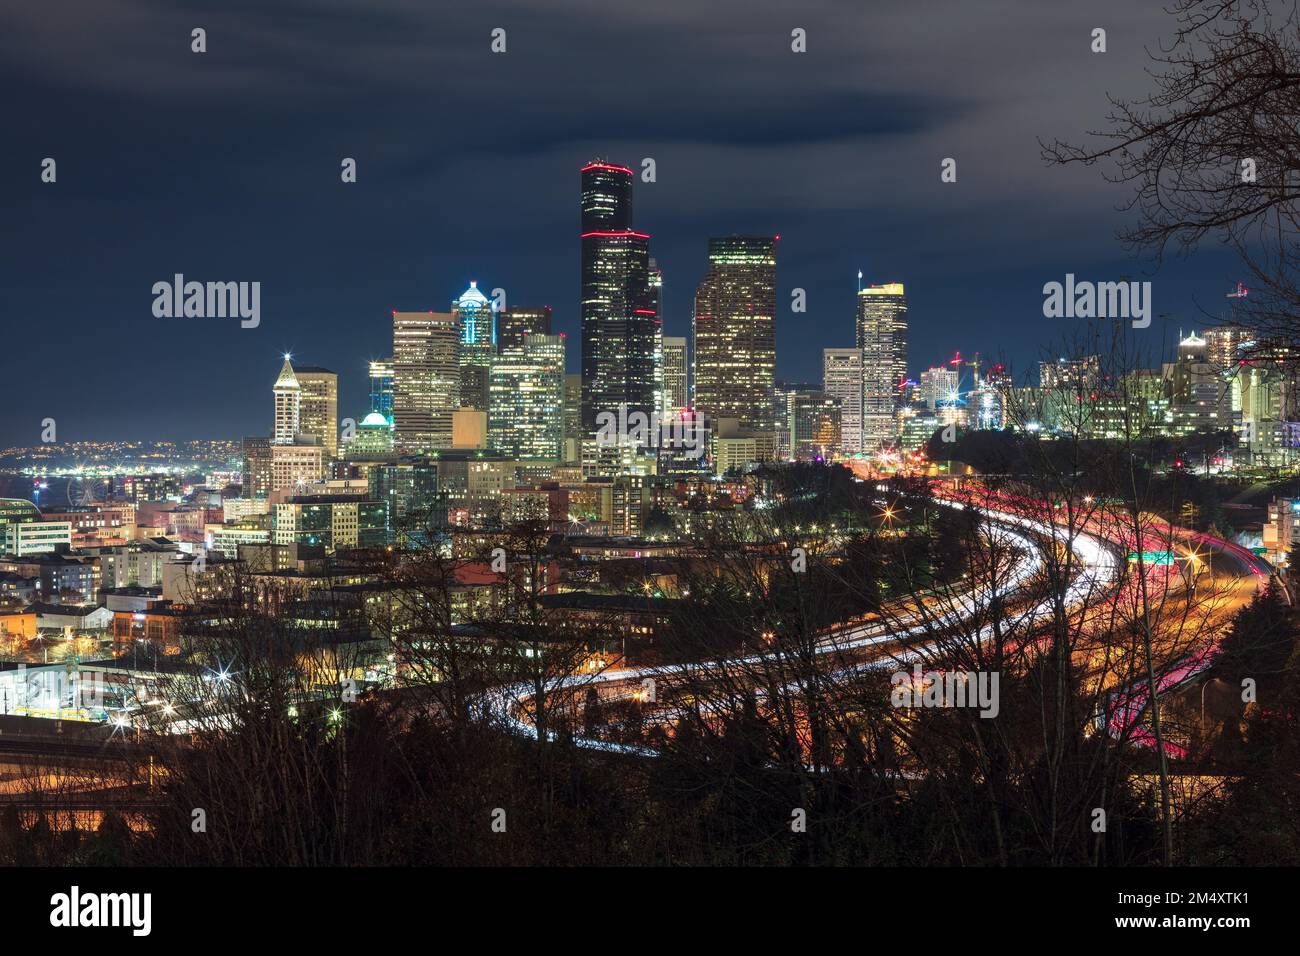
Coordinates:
(1098, 562)
(1100, 543)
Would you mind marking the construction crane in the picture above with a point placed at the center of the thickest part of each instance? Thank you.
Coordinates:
(974, 363)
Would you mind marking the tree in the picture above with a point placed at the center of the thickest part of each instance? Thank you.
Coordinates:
(1212, 151)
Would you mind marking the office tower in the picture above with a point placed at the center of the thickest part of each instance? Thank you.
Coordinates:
(471, 483)
(782, 408)
(410, 490)
(916, 426)
(882, 337)
(684, 445)
(814, 425)
(288, 403)
(842, 379)
(334, 522)
(734, 447)
(1232, 352)
(1197, 390)
(677, 392)
(657, 294)
(938, 384)
(476, 319)
(1062, 387)
(513, 324)
(1268, 410)
(381, 387)
(297, 465)
(1226, 346)
(735, 332)
(426, 379)
(257, 467)
(526, 415)
(985, 406)
(318, 413)
(619, 321)
(1083, 374)
(478, 345)
(572, 418)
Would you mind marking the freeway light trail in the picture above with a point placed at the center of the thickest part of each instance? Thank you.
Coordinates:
(1099, 559)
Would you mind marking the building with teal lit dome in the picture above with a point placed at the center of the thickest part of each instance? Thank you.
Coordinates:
(373, 439)
(478, 330)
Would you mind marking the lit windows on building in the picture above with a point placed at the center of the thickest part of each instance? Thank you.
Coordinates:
(526, 413)
(734, 330)
(426, 379)
(882, 337)
(620, 320)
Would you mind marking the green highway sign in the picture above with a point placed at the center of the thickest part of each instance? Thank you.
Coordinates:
(1153, 557)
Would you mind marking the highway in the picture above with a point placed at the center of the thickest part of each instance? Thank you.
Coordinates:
(1100, 546)
(1131, 703)
(1099, 562)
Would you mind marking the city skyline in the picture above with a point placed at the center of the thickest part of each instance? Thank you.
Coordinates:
(850, 180)
(575, 434)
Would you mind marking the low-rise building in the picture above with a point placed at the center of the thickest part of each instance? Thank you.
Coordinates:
(81, 618)
(24, 530)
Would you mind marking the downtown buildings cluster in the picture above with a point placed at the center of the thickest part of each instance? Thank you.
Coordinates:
(475, 406)
(474, 426)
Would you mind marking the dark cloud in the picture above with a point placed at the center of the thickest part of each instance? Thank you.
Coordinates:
(225, 166)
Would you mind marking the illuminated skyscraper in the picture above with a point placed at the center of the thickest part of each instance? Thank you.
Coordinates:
(735, 332)
(1198, 389)
(513, 324)
(882, 337)
(1070, 375)
(842, 380)
(381, 387)
(619, 319)
(939, 383)
(319, 406)
(657, 293)
(1227, 347)
(426, 379)
(677, 390)
(257, 467)
(476, 320)
(290, 459)
(288, 403)
(526, 418)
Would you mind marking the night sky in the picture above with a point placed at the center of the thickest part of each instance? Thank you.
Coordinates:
(225, 166)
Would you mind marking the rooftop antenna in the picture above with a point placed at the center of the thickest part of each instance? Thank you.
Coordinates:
(859, 280)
